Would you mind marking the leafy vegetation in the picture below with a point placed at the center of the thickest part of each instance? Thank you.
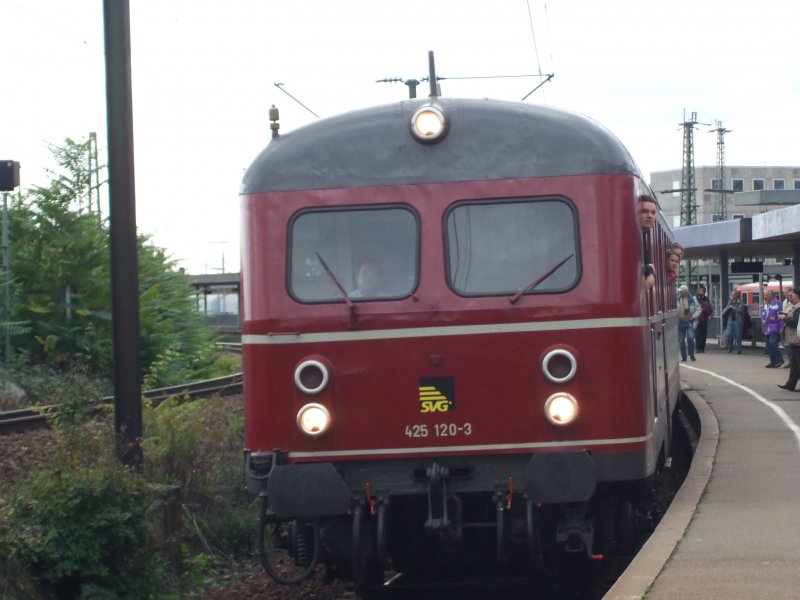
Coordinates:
(81, 525)
(61, 287)
(86, 527)
(82, 530)
(197, 445)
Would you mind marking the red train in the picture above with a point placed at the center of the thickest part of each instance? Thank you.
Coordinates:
(450, 359)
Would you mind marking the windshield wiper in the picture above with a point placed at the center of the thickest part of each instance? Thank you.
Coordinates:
(335, 281)
(350, 305)
(518, 295)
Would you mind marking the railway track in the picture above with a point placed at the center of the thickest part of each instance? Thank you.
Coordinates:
(32, 418)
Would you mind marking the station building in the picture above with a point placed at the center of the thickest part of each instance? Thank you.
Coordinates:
(754, 238)
(740, 183)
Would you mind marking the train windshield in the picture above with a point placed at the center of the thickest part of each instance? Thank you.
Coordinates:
(501, 247)
(357, 253)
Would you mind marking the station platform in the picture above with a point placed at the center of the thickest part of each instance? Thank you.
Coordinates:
(733, 529)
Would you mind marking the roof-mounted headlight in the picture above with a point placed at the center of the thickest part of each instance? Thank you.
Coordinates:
(428, 124)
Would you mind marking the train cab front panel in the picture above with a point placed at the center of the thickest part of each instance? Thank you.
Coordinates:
(477, 342)
(446, 323)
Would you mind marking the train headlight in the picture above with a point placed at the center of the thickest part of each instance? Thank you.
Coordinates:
(559, 365)
(311, 376)
(428, 124)
(561, 409)
(313, 419)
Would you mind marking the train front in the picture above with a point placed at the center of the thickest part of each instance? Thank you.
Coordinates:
(445, 351)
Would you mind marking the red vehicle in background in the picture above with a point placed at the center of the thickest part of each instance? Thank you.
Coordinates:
(752, 292)
(502, 393)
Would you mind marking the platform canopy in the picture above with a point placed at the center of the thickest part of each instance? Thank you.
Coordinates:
(773, 234)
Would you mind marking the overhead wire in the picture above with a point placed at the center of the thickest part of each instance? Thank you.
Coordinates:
(549, 37)
(280, 87)
(533, 35)
(547, 77)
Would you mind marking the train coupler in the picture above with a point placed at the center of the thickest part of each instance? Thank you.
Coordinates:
(575, 533)
(503, 500)
(439, 521)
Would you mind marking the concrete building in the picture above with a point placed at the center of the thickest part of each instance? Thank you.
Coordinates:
(752, 189)
(760, 228)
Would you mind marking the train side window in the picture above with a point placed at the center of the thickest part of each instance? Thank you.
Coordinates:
(329, 247)
(502, 247)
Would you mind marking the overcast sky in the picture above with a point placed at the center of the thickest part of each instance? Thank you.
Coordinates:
(204, 75)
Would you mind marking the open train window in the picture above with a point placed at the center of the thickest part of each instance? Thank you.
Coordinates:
(503, 247)
(364, 253)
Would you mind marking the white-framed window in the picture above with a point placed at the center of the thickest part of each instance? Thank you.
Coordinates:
(797, 184)
(500, 248)
(737, 184)
(331, 248)
(716, 183)
(778, 184)
(676, 185)
(758, 184)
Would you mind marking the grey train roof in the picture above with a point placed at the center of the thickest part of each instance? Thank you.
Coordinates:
(487, 139)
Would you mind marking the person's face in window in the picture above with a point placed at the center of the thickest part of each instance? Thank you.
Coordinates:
(647, 215)
(672, 262)
(368, 279)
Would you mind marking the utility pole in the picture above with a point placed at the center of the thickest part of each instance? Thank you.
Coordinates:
(122, 219)
(688, 197)
(9, 180)
(688, 189)
(6, 282)
(94, 171)
(720, 191)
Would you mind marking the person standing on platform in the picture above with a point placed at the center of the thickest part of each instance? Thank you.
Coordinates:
(771, 326)
(785, 293)
(687, 307)
(790, 318)
(701, 330)
(735, 313)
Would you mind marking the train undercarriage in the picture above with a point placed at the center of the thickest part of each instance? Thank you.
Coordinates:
(442, 535)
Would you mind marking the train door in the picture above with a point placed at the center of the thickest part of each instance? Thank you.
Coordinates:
(656, 306)
(666, 302)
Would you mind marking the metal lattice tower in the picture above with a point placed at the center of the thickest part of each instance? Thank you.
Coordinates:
(688, 197)
(720, 194)
(94, 171)
(688, 189)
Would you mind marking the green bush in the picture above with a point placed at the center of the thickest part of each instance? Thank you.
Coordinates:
(83, 531)
(198, 445)
(188, 442)
(86, 529)
(74, 391)
(63, 319)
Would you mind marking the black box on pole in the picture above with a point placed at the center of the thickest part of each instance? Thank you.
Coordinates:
(9, 175)
(751, 266)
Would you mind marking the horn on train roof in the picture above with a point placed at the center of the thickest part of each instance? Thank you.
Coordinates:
(435, 91)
